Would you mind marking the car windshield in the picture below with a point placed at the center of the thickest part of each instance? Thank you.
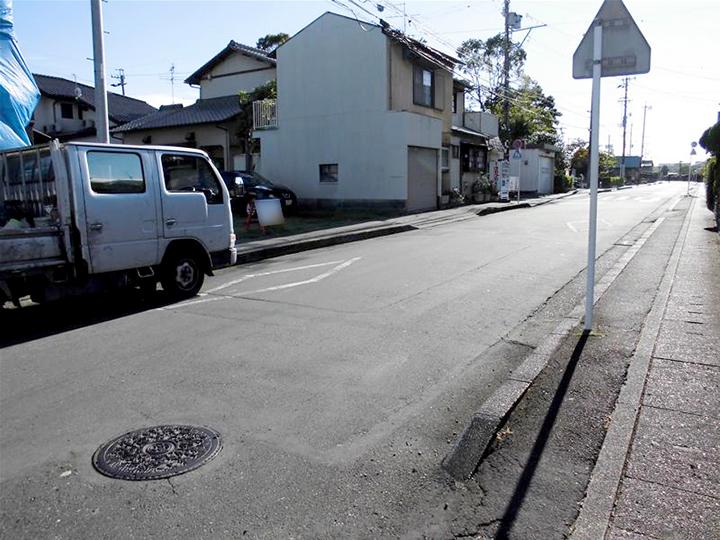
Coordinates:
(255, 179)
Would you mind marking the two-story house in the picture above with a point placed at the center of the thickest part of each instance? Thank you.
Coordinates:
(475, 148)
(363, 114)
(212, 122)
(66, 110)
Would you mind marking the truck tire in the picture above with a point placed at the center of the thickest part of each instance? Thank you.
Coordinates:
(182, 275)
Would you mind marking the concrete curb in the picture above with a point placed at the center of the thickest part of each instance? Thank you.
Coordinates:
(268, 252)
(470, 447)
(289, 246)
(597, 507)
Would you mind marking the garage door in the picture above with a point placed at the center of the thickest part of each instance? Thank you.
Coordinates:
(422, 178)
(545, 177)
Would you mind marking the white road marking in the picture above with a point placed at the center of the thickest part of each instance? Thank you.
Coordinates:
(570, 225)
(190, 303)
(214, 297)
(273, 272)
(320, 277)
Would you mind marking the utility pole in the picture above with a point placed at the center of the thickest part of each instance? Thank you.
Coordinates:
(172, 81)
(646, 108)
(101, 115)
(626, 80)
(121, 77)
(506, 71)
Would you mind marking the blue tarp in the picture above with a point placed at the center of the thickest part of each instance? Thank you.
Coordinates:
(19, 94)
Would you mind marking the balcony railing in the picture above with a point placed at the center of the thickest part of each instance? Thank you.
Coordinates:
(265, 114)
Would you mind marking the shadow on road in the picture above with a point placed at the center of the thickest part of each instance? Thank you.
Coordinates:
(526, 477)
(36, 321)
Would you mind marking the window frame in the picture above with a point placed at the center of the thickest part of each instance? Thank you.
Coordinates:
(445, 158)
(328, 177)
(418, 89)
(64, 107)
(116, 153)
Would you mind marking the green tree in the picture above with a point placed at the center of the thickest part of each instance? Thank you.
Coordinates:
(533, 115)
(245, 119)
(664, 171)
(483, 65)
(271, 42)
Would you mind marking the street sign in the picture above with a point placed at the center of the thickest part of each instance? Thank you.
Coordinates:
(517, 154)
(613, 45)
(625, 51)
(518, 144)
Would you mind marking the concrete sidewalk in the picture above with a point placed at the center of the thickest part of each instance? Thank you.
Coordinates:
(276, 247)
(658, 473)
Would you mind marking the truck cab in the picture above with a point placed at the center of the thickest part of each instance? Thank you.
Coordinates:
(117, 214)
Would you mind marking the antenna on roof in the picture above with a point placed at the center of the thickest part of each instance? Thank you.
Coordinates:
(77, 91)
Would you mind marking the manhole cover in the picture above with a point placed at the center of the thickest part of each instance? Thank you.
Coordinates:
(157, 452)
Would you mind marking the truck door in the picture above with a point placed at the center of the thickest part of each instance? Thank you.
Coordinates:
(120, 207)
(193, 200)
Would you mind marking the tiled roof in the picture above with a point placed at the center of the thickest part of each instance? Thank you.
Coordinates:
(420, 49)
(121, 109)
(203, 111)
(232, 47)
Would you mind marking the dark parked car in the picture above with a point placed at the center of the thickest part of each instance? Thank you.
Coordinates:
(241, 184)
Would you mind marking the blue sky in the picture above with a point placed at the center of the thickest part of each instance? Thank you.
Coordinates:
(146, 37)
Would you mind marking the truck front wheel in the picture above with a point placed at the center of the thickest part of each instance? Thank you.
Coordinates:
(182, 276)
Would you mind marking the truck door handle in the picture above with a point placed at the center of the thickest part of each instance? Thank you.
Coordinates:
(96, 226)
(170, 222)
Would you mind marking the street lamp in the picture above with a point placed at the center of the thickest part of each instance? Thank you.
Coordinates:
(692, 153)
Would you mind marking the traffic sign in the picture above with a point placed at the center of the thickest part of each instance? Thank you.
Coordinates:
(625, 51)
(517, 154)
(518, 144)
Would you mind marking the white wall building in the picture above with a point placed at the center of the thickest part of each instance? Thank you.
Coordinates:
(535, 168)
(362, 113)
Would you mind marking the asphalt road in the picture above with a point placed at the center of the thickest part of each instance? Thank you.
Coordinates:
(336, 377)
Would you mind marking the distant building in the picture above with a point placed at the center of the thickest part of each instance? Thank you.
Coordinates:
(632, 168)
(66, 110)
(211, 123)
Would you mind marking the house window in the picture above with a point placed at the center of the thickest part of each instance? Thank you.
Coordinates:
(445, 158)
(455, 151)
(473, 158)
(115, 172)
(423, 86)
(329, 173)
(66, 110)
(454, 103)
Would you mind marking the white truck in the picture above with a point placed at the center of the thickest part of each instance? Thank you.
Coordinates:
(82, 217)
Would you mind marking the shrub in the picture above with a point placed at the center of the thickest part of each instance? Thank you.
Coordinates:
(562, 183)
(712, 183)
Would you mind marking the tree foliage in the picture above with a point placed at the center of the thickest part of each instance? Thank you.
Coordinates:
(245, 118)
(710, 139)
(483, 65)
(271, 42)
(533, 115)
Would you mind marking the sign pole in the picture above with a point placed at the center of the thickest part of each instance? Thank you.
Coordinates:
(594, 166)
